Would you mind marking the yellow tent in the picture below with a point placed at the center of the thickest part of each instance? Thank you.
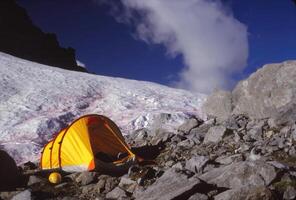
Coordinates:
(75, 148)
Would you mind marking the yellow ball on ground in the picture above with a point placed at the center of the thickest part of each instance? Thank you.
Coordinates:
(55, 178)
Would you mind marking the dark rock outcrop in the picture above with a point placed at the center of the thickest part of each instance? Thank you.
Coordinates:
(9, 174)
(21, 38)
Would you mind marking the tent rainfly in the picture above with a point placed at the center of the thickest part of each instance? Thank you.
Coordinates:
(76, 147)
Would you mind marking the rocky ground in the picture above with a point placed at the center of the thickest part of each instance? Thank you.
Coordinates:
(238, 158)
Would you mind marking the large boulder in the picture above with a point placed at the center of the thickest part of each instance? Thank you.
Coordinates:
(172, 184)
(267, 92)
(247, 193)
(218, 104)
(241, 174)
(9, 174)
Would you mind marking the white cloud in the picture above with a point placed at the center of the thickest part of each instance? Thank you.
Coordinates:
(213, 43)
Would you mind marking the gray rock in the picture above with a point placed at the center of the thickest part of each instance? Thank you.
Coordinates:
(268, 91)
(256, 132)
(73, 176)
(86, 178)
(70, 198)
(293, 133)
(170, 185)
(200, 131)
(8, 195)
(141, 137)
(61, 185)
(226, 160)
(91, 188)
(216, 134)
(236, 175)
(188, 143)
(196, 163)
(34, 180)
(127, 184)
(110, 184)
(290, 193)
(247, 193)
(254, 155)
(278, 165)
(101, 185)
(199, 196)
(116, 193)
(161, 136)
(286, 115)
(218, 104)
(189, 125)
(24, 195)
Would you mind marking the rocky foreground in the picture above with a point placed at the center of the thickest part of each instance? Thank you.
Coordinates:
(239, 158)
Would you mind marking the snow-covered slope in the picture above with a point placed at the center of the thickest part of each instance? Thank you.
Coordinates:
(36, 101)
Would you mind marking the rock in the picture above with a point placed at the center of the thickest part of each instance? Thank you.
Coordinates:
(188, 143)
(199, 196)
(196, 163)
(86, 178)
(290, 193)
(254, 155)
(101, 185)
(110, 184)
(271, 123)
(256, 132)
(73, 176)
(146, 176)
(33, 180)
(202, 129)
(198, 134)
(293, 133)
(218, 104)
(8, 195)
(127, 184)
(61, 185)
(236, 175)
(21, 38)
(268, 92)
(29, 166)
(161, 136)
(91, 188)
(24, 195)
(116, 193)
(278, 165)
(170, 185)
(247, 193)
(286, 114)
(141, 137)
(216, 134)
(226, 160)
(9, 174)
(189, 125)
(269, 134)
(70, 198)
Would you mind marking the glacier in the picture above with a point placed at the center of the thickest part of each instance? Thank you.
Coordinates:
(37, 101)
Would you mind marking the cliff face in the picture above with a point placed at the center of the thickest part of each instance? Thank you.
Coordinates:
(21, 38)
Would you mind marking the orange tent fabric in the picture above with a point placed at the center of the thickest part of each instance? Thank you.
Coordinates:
(75, 148)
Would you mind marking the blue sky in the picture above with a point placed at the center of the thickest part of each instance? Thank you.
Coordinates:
(110, 48)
